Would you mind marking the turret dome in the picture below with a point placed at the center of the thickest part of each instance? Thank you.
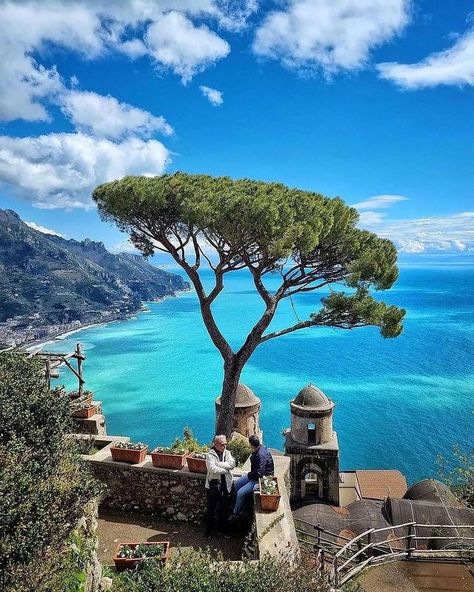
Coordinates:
(245, 397)
(312, 398)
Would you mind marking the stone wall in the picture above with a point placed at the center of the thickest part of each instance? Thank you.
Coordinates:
(275, 531)
(176, 494)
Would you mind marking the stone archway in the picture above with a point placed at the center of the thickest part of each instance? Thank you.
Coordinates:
(309, 479)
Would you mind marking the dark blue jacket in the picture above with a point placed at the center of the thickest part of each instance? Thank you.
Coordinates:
(261, 463)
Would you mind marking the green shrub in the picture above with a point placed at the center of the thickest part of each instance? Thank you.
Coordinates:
(460, 475)
(198, 571)
(44, 484)
(240, 450)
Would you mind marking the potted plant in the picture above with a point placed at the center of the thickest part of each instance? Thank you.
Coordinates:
(75, 396)
(129, 452)
(82, 407)
(269, 493)
(172, 457)
(197, 461)
(129, 554)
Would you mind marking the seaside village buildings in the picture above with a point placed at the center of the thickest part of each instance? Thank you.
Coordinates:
(348, 519)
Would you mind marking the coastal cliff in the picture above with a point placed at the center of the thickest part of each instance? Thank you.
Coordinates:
(49, 285)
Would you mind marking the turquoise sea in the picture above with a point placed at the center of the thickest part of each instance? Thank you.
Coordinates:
(399, 402)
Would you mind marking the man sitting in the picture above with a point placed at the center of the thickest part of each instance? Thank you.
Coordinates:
(261, 464)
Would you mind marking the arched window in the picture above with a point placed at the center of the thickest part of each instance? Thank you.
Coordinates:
(311, 433)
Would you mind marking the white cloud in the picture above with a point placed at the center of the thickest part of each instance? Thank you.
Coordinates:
(30, 29)
(454, 66)
(317, 35)
(379, 201)
(452, 233)
(125, 246)
(214, 96)
(61, 170)
(108, 118)
(176, 43)
(43, 229)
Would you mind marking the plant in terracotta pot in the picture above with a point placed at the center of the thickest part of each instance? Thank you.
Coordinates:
(129, 452)
(75, 396)
(197, 461)
(82, 407)
(129, 554)
(269, 493)
(196, 458)
(174, 457)
(171, 457)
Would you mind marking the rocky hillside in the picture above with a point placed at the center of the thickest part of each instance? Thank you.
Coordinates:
(49, 280)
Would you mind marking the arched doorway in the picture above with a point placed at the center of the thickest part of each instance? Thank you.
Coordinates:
(311, 481)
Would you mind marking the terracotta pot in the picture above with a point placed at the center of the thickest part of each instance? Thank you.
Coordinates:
(122, 563)
(85, 412)
(128, 455)
(196, 465)
(168, 460)
(269, 503)
(87, 400)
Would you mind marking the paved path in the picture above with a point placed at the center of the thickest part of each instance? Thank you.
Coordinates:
(416, 576)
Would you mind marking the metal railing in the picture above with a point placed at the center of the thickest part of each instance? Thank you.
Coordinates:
(348, 562)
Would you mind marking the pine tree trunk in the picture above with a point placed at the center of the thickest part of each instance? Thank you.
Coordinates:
(225, 421)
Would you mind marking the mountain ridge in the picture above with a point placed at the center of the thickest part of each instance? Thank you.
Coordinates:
(49, 284)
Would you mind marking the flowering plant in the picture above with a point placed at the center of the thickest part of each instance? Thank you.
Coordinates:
(130, 445)
(269, 485)
(141, 551)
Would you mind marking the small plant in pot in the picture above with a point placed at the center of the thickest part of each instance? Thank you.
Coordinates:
(129, 452)
(172, 457)
(82, 407)
(196, 458)
(129, 554)
(269, 493)
(75, 396)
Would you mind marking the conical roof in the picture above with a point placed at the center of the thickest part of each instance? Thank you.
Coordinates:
(312, 398)
(245, 397)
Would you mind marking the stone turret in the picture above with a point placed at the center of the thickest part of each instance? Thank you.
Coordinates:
(247, 412)
(313, 448)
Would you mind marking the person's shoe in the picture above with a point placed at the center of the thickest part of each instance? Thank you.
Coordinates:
(232, 519)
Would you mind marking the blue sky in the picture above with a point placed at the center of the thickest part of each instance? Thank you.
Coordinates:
(371, 100)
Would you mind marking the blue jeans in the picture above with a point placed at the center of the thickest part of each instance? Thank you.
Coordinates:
(244, 488)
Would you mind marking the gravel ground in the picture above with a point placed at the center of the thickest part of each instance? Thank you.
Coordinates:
(115, 527)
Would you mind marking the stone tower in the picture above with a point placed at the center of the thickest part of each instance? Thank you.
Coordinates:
(247, 411)
(312, 446)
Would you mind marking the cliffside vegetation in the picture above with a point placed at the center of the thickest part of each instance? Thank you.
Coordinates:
(45, 488)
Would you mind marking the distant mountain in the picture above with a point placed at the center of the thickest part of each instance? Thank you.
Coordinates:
(48, 280)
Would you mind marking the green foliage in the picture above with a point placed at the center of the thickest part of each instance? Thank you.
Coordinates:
(141, 551)
(44, 484)
(460, 477)
(240, 450)
(263, 226)
(188, 443)
(198, 571)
